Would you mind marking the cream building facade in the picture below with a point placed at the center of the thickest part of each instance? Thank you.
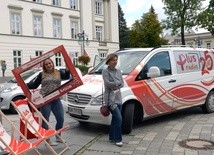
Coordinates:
(30, 28)
(205, 40)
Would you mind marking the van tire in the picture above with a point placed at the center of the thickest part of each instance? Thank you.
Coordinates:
(128, 118)
(208, 107)
(12, 109)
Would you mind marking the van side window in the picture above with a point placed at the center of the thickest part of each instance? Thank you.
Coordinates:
(160, 60)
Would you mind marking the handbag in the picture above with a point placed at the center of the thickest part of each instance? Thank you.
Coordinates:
(104, 108)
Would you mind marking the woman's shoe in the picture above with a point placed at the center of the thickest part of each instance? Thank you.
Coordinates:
(51, 143)
(60, 140)
(119, 144)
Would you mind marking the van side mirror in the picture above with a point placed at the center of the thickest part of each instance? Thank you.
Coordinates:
(153, 72)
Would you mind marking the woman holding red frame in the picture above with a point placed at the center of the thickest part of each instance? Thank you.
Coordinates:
(50, 80)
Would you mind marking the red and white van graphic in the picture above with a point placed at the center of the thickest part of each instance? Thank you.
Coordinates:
(157, 81)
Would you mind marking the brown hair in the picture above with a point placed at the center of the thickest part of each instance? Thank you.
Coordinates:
(55, 72)
(110, 57)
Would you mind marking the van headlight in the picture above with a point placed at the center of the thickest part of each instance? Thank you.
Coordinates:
(9, 89)
(98, 100)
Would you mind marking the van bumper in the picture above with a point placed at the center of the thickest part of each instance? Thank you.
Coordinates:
(89, 114)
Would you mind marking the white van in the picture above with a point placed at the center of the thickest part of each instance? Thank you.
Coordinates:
(156, 81)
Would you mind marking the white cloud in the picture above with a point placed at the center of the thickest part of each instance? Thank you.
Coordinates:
(134, 9)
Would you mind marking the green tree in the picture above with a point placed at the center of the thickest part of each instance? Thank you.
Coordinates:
(206, 18)
(181, 15)
(123, 30)
(147, 31)
(136, 35)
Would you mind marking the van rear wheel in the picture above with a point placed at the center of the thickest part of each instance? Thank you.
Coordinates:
(128, 118)
(208, 107)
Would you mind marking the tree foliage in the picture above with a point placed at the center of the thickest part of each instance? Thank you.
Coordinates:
(84, 59)
(147, 31)
(123, 30)
(206, 18)
(181, 15)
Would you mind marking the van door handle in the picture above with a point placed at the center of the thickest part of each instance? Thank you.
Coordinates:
(172, 81)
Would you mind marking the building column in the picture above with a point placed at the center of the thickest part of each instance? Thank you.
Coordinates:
(106, 20)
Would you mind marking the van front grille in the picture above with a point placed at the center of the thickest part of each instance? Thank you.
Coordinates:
(76, 98)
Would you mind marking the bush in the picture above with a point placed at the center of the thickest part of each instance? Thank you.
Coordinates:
(84, 59)
(83, 69)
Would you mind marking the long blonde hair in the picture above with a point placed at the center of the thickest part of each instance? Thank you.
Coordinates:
(55, 72)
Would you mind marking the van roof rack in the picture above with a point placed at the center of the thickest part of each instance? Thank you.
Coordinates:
(177, 46)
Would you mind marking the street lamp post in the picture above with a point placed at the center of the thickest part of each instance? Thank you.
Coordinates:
(83, 38)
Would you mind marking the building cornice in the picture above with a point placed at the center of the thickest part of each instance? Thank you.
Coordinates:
(74, 17)
(56, 14)
(15, 7)
(37, 11)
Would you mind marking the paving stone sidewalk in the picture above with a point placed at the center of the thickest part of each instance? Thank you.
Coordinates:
(158, 136)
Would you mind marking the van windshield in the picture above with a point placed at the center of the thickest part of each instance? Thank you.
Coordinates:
(127, 61)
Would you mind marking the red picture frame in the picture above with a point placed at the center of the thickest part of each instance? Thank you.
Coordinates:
(68, 86)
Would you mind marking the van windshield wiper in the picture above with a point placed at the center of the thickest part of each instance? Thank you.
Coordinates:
(99, 71)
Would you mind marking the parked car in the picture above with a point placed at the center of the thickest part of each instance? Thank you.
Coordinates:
(156, 81)
(10, 91)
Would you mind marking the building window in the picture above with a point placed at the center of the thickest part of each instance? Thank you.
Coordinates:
(98, 7)
(56, 2)
(75, 58)
(58, 59)
(17, 60)
(99, 33)
(74, 29)
(37, 26)
(209, 45)
(15, 20)
(73, 4)
(57, 28)
(38, 53)
(37, 1)
(102, 56)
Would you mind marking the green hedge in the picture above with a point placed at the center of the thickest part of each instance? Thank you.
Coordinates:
(83, 69)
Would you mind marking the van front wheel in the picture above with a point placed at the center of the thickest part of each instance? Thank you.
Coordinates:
(208, 107)
(128, 116)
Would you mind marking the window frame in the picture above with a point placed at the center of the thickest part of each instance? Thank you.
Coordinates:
(38, 53)
(56, 3)
(37, 1)
(74, 28)
(99, 33)
(38, 27)
(17, 58)
(102, 55)
(15, 24)
(58, 59)
(74, 4)
(208, 45)
(98, 4)
(57, 29)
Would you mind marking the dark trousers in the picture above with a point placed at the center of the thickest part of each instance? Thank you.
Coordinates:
(3, 71)
(115, 132)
